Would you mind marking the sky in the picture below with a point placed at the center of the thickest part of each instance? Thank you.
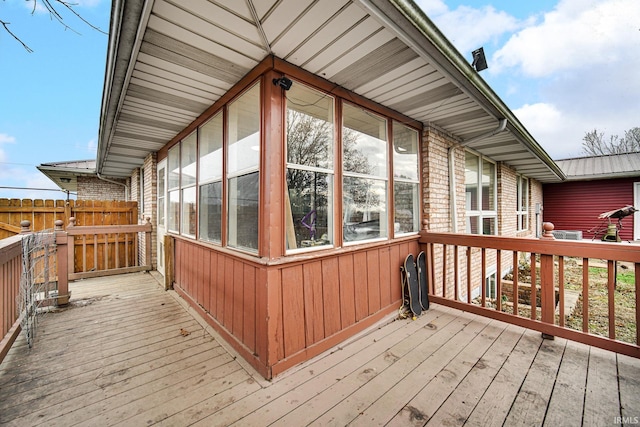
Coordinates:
(564, 67)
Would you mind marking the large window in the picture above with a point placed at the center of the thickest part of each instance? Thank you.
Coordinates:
(480, 189)
(522, 190)
(243, 159)
(364, 164)
(173, 188)
(210, 179)
(188, 184)
(310, 145)
(405, 179)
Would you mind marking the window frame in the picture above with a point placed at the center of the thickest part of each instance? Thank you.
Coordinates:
(329, 171)
(481, 214)
(383, 228)
(215, 178)
(522, 212)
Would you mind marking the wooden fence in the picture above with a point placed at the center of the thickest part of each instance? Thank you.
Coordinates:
(42, 214)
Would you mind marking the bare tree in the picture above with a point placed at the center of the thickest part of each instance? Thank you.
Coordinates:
(595, 143)
(56, 10)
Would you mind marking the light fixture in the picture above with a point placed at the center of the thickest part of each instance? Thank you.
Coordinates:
(283, 82)
(479, 60)
(65, 180)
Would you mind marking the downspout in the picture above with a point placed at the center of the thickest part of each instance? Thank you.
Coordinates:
(452, 177)
(126, 189)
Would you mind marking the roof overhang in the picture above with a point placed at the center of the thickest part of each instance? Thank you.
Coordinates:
(169, 61)
(65, 174)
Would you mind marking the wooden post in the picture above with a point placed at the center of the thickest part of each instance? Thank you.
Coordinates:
(62, 240)
(169, 259)
(71, 248)
(25, 226)
(147, 243)
(547, 287)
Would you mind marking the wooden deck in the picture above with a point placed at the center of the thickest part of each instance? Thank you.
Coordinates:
(129, 353)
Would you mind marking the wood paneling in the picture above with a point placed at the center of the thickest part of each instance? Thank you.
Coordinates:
(347, 291)
(290, 311)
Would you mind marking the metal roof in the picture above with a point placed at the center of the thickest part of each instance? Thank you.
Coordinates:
(601, 167)
(169, 60)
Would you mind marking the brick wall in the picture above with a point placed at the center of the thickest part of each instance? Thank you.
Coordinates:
(147, 203)
(93, 188)
(437, 210)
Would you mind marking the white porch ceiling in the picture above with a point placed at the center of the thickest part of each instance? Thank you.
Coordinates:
(169, 60)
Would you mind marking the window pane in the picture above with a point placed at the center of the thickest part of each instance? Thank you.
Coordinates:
(471, 181)
(488, 186)
(211, 211)
(173, 166)
(211, 149)
(489, 226)
(189, 211)
(174, 211)
(405, 152)
(309, 127)
(472, 224)
(310, 220)
(188, 160)
(364, 209)
(364, 142)
(161, 211)
(243, 211)
(406, 212)
(524, 199)
(244, 131)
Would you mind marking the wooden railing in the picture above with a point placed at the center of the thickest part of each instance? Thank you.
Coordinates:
(107, 249)
(10, 271)
(458, 265)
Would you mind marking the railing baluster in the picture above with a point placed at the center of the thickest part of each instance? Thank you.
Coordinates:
(637, 280)
(84, 253)
(469, 254)
(455, 273)
(117, 250)
(444, 270)
(561, 289)
(106, 251)
(431, 269)
(483, 278)
(534, 288)
(611, 283)
(95, 252)
(498, 280)
(126, 249)
(515, 282)
(585, 295)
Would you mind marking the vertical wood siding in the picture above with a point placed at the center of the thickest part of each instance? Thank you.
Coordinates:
(282, 310)
(576, 205)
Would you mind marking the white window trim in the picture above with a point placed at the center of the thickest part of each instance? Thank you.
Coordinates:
(479, 213)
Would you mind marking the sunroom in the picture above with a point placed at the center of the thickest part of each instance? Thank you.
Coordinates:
(291, 151)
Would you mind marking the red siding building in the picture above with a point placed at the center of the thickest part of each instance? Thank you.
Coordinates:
(595, 185)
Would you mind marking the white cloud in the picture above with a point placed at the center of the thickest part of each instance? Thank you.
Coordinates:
(469, 28)
(6, 139)
(575, 35)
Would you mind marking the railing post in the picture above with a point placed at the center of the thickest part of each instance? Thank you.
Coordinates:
(62, 240)
(25, 226)
(71, 248)
(547, 287)
(147, 243)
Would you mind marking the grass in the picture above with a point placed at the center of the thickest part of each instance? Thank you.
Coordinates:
(624, 298)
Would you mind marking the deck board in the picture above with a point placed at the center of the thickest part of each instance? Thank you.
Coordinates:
(128, 353)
